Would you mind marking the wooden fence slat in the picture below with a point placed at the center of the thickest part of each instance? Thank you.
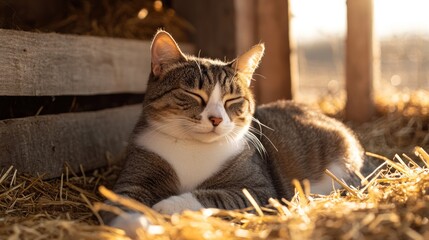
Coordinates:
(359, 60)
(48, 64)
(42, 144)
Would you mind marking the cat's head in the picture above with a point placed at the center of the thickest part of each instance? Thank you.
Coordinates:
(196, 98)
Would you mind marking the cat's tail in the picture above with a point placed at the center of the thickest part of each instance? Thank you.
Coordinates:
(370, 168)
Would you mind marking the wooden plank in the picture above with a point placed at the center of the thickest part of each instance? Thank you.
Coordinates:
(245, 25)
(359, 60)
(43, 144)
(214, 22)
(47, 64)
(278, 66)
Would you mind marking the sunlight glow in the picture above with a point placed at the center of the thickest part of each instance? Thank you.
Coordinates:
(142, 13)
(395, 80)
(327, 18)
(157, 5)
(401, 16)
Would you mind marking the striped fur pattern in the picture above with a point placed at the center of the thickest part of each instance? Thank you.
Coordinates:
(200, 141)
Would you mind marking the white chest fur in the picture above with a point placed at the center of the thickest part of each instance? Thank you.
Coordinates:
(193, 161)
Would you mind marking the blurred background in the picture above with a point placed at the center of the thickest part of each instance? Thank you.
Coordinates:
(401, 31)
(305, 39)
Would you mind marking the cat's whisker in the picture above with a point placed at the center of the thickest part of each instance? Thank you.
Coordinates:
(259, 132)
(247, 143)
(259, 75)
(256, 131)
(234, 135)
(235, 138)
(259, 145)
(171, 126)
(199, 68)
(256, 143)
(261, 124)
(229, 139)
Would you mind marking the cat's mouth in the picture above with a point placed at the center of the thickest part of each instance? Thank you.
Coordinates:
(209, 136)
(212, 132)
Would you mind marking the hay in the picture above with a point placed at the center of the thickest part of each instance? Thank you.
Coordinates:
(393, 202)
(401, 122)
(32, 208)
(404, 123)
(106, 18)
(116, 18)
(392, 205)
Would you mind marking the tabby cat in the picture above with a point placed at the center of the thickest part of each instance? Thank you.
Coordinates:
(200, 139)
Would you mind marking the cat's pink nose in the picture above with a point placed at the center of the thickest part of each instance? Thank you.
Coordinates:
(215, 121)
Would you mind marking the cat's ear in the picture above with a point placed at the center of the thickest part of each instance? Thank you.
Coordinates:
(247, 63)
(164, 51)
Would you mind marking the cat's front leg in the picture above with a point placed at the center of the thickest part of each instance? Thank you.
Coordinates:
(177, 204)
(212, 198)
(130, 222)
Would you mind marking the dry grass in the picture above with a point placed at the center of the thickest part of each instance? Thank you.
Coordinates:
(392, 204)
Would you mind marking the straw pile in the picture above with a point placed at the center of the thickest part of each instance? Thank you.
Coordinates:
(135, 19)
(401, 123)
(392, 204)
(32, 208)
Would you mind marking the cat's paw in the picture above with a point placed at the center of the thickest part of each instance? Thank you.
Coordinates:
(130, 222)
(177, 204)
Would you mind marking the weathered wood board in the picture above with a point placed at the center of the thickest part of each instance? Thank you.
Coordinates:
(42, 144)
(49, 64)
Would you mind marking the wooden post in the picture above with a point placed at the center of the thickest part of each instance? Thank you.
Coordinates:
(359, 60)
(245, 25)
(214, 23)
(278, 65)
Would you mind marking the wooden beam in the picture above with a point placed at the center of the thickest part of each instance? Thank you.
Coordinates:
(41, 64)
(278, 66)
(42, 144)
(359, 60)
(245, 25)
(214, 22)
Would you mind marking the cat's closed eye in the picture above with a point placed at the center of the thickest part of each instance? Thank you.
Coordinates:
(198, 96)
(232, 100)
(236, 105)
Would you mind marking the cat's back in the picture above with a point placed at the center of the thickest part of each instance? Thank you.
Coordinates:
(294, 121)
(302, 142)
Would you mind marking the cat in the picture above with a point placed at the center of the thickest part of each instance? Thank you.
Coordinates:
(201, 139)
